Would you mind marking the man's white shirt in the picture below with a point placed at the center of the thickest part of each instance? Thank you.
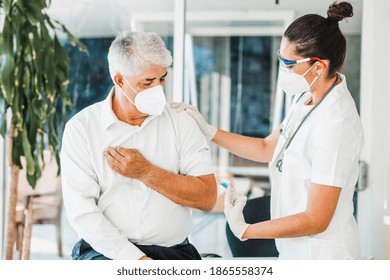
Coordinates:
(107, 209)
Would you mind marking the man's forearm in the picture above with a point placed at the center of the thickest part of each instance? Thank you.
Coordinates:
(196, 192)
(199, 192)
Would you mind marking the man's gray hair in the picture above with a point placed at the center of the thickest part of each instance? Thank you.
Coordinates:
(131, 53)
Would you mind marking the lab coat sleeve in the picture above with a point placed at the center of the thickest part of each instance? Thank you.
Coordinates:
(336, 150)
(194, 151)
(81, 192)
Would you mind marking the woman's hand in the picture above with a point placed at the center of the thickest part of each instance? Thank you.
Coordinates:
(233, 212)
(208, 130)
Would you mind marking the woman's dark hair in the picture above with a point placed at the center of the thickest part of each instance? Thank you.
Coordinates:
(316, 36)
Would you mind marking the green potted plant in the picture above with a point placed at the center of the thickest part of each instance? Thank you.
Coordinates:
(33, 80)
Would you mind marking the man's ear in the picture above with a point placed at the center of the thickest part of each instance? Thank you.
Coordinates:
(118, 79)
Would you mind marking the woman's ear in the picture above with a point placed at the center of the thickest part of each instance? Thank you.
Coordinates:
(320, 67)
(118, 80)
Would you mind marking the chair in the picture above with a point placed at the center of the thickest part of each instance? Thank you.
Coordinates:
(39, 206)
(256, 210)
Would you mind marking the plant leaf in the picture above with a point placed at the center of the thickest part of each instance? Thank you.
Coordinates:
(3, 118)
(30, 165)
(7, 77)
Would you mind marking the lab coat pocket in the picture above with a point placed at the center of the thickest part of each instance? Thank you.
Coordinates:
(327, 249)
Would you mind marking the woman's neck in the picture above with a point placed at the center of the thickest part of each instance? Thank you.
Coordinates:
(321, 89)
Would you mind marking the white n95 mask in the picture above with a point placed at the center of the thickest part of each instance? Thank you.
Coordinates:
(293, 83)
(150, 101)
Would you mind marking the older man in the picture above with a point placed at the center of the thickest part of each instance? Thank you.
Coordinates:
(132, 168)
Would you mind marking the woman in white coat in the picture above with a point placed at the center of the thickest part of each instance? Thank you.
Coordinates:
(314, 153)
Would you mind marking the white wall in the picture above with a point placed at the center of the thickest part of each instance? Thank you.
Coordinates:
(375, 108)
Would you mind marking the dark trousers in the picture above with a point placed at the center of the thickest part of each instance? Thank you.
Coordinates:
(184, 251)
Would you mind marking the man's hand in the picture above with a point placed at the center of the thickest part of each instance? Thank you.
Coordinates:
(128, 162)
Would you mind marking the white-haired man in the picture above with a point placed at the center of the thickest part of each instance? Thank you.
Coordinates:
(132, 168)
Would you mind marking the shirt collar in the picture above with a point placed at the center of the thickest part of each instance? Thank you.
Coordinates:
(108, 117)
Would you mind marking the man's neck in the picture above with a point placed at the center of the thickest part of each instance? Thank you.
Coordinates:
(134, 121)
(125, 113)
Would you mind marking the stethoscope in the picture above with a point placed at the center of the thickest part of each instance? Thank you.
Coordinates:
(279, 163)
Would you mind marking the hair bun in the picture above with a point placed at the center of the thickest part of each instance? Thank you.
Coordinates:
(339, 11)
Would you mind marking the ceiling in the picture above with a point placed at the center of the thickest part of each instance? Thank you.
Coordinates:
(105, 18)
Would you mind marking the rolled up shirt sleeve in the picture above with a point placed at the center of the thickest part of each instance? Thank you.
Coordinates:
(81, 192)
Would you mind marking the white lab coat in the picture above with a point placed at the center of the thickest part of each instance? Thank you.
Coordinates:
(326, 151)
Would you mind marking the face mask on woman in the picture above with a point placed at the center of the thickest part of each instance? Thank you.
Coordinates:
(150, 101)
(293, 83)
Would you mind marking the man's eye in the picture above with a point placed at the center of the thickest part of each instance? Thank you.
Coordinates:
(289, 66)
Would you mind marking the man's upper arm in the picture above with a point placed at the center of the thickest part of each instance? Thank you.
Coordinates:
(77, 170)
(194, 150)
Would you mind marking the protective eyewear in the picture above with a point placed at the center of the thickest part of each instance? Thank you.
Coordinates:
(287, 62)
